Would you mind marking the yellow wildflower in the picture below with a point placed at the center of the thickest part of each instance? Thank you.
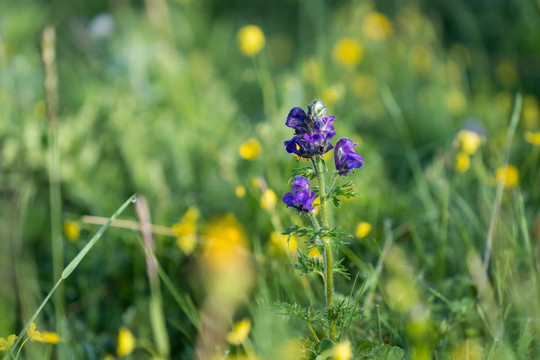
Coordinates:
(347, 52)
(268, 199)
(283, 242)
(509, 175)
(109, 357)
(314, 253)
(362, 229)
(376, 26)
(225, 243)
(462, 162)
(45, 337)
(250, 150)
(419, 59)
(239, 332)
(240, 191)
(186, 230)
(469, 141)
(456, 102)
(71, 230)
(126, 342)
(6, 343)
(332, 94)
(343, 351)
(532, 137)
(250, 40)
(40, 109)
(531, 111)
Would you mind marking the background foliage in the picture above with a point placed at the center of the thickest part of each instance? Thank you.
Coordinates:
(156, 98)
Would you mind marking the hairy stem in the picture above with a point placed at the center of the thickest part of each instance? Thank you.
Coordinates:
(328, 263)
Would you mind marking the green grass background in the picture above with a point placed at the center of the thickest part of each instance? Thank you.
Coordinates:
(160, 107)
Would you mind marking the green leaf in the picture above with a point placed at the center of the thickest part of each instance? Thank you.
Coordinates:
(395, 353)
(325, 344)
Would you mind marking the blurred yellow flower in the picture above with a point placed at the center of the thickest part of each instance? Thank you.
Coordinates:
(250, 40)
(240, 191)
(186, 230)
(347, 52)
(532, 137)
(419, 59)
(503, 99)
(109, 357)
(456, 102)
(343, 351)
(225, 243)
(469, 141)
(311, 71)
(314, 253)
(126, 342)
(462, 162)
(332, 94)
(376, 26)
(250, 150)
(71, 230)
(469, 350)
(509, 175)
(283, 243)
(44, 337)
(239, 332)
(506, 74)
(268, 199)
(6, 343)
(40, 110)
(364, 86)
(362, 229)
(530, 112)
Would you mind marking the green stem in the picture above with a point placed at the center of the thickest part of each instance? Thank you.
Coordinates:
(312, 331)
(328, 262)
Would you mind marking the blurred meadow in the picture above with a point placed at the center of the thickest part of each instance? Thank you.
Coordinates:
(184, 102)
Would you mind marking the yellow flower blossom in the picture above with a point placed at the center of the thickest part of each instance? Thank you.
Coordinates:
(283, 243)
(71, 230)
(126, 342)
(332, 94)
(419, 59)
(186, 230)
(509, 175)
(530, 112)
(362, 229)
(250, 39)
(532, 137)
(239, 332)
(347, 52)
(314, 253)
(44, 337)
(343, 351)
(250, 150)
(240, 191)
(6, 343)
(225, 243)
(109, 357)
(469, 140)
(456, 102)
(462, 162)
(40, 110)
(376, 26)
(268, 199)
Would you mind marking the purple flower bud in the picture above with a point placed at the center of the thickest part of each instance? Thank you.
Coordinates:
(302, 198)
(345, 158)
(297, 120)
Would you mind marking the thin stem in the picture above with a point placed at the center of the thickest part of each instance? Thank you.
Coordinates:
(332, 182)
(308, 324)
(314, 221)
(328, 262)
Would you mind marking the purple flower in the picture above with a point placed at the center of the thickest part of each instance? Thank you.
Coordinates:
(302, 198)
(313, 131)
(345, 157)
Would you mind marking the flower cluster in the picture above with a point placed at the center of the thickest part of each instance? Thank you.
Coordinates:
(313, 132)
(302, 198)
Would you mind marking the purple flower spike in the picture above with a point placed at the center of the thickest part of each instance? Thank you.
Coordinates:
(345, 157)
(297, 120)
(302, 198)
(313, 131)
